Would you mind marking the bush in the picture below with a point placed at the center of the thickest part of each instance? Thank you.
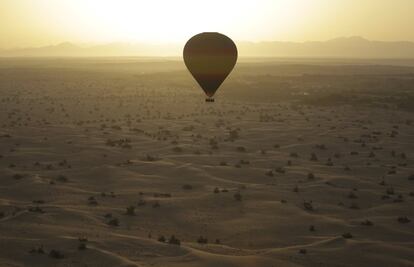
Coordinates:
(113, 222)
(130, 211)
(241, 149)
(202, 240)
(367, 223)
(308, 206)
(187, 187)
(18, 176)
(404, 219)
(238, 196)
(92, 201)
(347, 235)
(62, 178)
(56, 254)
(174, 241)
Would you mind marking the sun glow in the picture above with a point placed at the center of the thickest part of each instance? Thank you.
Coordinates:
(155, 20)
(168, 21)
(42, 22)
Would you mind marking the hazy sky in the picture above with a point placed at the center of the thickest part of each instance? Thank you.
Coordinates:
(45, 22)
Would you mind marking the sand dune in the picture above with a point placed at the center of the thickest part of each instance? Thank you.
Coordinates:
(97, 165)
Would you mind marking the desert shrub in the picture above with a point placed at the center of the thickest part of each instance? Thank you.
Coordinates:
(296, 189)
(187, 187)
(329, 162)
(238, 196)
(404, 219)
(313, 157)
(321, 147)
(347, 168)
(162, 239)
(311, 176)
(352, 195)
(280, 170)
(150, 158)
(241, 149)
(202, 240)
(294, 155)
(92, 201)
(56, 254)
(18, 176)
(130, 211)
(303, 251)
(308, 205)
(367, 223)
(113, 222)
(347, 235)
(174, 241)
(38, 250)
(62, 178)
(390, 191)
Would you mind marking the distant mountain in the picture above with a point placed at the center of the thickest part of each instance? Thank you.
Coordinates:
(344, 47)
(105, 50)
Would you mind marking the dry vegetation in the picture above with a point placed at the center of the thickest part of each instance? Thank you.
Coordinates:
(121, 163)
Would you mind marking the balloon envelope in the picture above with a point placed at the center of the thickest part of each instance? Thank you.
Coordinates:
(210, 57)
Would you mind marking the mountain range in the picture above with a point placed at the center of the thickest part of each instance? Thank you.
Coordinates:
(344, 47)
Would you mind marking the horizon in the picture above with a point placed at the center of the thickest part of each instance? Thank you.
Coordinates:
(352, 47)
(94, 44)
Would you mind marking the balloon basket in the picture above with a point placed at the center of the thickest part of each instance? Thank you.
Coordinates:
(210, 100)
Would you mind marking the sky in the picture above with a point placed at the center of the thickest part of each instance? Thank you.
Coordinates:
(28, 23)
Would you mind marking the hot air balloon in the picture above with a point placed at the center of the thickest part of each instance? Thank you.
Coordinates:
(210, 57)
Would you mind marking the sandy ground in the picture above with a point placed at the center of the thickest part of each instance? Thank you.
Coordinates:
(266, 184)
